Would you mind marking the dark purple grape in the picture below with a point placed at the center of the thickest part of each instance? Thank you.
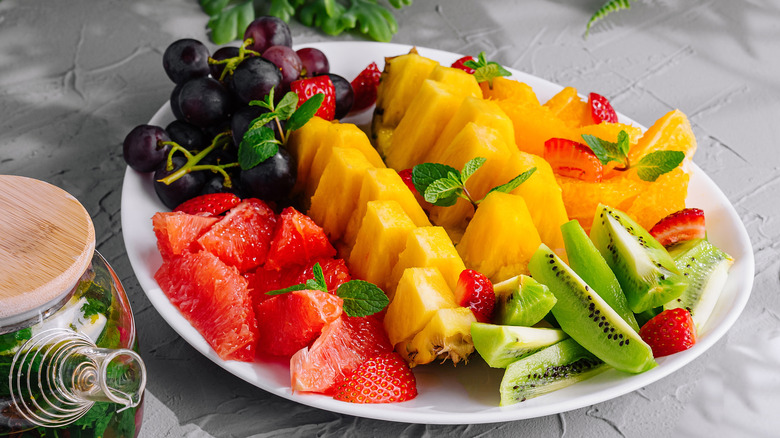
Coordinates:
(216, 184)
(243, 118)
(186, 59)
(270, 180)
(142, 150)
(184, 188)
(288, 62)
(187, 135)
(254, 78)
(344, 95)
(175, 102)
(266, 32)
(205, 102)
(314, 62)
(222, 54)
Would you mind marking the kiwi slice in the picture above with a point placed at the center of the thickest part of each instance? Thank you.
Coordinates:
(586, 260)
(643, 267)
(501, 345)
(522, 301)
(706, 267)
(587, 318)
(547, 370)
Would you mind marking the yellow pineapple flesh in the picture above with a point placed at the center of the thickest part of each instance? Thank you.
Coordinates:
(505, 88)
(381, 238)
(303, 145)
(447, 336)
(421, 293)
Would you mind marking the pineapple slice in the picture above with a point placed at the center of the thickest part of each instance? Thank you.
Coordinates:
(303, 145)
(446, 336)
(501, 238)
(427, 115)
(504, 88)
(381, 238)
(420, 294)
(380, 184)
(337, 194)
(401, 79)
(428, 247)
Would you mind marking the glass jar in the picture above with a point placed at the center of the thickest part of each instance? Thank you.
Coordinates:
(68, 365)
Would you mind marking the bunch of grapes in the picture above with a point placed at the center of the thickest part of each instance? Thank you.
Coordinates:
(198, 152)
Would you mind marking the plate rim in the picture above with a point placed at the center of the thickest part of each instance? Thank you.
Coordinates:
(400, 412)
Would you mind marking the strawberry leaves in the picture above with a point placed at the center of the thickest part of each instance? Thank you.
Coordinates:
(442, 185)
(649, 167)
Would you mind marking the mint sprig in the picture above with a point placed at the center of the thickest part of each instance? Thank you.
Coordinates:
(360, 298)
(485, 71)
(442, 185)
(649, 167)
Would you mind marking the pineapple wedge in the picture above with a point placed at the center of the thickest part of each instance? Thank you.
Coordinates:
(446, 336)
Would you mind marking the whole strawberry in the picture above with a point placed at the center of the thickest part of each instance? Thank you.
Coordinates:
(212, 204)
(308, 87)
(385, 378)
(475, 291)
(669, 332)
(364, 86)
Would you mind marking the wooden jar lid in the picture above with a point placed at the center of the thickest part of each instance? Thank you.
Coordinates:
(47, 240)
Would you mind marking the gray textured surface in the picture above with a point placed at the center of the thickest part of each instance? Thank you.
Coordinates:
(77, 75)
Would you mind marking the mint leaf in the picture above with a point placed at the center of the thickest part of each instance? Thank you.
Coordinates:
(94, 307)
(288, 289)
(426, 173)
(319, 278)
(513, 183)
(362, 298)
(257, 146)
(604, 150)
(470, 167)
(443, 192)
(229, 24)
(623, 142)
(267, 102)
(286, 107)
(655, 164)
(305, 112)
(316, 283)
(260, 121)
(485, 71)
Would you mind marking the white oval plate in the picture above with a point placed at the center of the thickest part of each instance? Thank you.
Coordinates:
(447, 395)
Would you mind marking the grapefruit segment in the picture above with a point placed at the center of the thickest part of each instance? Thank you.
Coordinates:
(297, 240)
(177, 232)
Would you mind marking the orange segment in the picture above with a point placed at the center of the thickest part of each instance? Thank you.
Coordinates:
(658, 199)
(568, 106)
(671, 132)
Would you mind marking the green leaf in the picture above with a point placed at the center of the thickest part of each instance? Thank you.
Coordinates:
(371, 19)
(325, 14)
(9, 341)
(261, 121)
(316, 283)
(470, 167)
(623, 142)
(267, 102)
(362, 298)
(305, 112)
(257, 146)
(286, 107)
(398, 4)
(485, 71)
(605, 9)
(604, 150)
(426, 173)
(282, 9)
(443, 192)
(288, 289)
(229, 24)
(94, 307)
(319, 277)
(655, 164)
(513, 183)
(212, 7)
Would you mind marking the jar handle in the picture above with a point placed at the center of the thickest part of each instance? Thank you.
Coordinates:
(58, 375)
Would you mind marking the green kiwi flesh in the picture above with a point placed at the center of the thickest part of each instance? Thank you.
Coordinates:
(586, 260)
(547, 370)
(645, 270)
(521, 300)
(706, 267)
(587, 318)
(501, 345)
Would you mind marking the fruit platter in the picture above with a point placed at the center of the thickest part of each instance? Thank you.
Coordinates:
(468, 392)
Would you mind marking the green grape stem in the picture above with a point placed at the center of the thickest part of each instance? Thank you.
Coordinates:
(232, 63)
(193, 159)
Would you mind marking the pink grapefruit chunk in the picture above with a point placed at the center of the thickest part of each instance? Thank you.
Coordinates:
(297, 240)
(177, 232)
(214, 298)
(263, 280)
(293, 320)
(343, 345)
(242, 238)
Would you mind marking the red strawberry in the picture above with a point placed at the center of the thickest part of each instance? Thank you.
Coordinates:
(364, 86)
(406, 176)
(308, 87)
(601, 110)
(460, 64)
(475, 291)
(686, 224)
(212, 204)
(572, 159)
(669, 332)
(385, 378)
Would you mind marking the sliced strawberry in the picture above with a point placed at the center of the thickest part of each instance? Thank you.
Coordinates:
(686, 224)
(364, 86)
(297, 240)
(212, 204)
(475, 291)
(381, 379)
(308, 87)
(572, 159)
(669, 332)
(460, 64)
(601, 110)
